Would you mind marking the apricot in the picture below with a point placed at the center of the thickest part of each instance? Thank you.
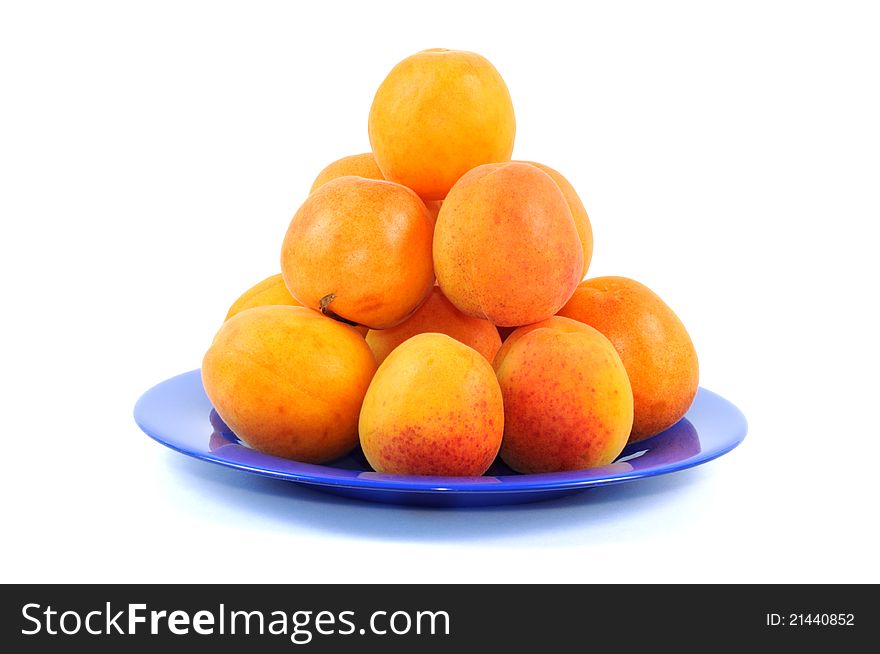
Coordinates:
(568, 404)
(505, 245)
(433, 408)
(578, 212)
(359, 165)
(359, 250)
(652, 342)
(437, 314)
(289, 381)
(267, 292)
(438, 114)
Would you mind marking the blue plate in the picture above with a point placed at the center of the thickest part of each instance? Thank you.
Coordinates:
(178, 414)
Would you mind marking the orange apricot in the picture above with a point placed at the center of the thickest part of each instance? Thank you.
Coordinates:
(505, 245)
(359, 165)
(359, 250)
(654, 345)
(433, 408)
(438, 315)
(438, 114)
(289, 381)
(568, 404)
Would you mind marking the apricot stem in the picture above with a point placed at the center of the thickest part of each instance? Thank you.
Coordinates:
(324, 306)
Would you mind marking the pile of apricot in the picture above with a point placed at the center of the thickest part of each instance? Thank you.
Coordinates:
(431, 308)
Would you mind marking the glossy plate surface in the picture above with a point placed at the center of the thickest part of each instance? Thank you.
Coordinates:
(177, 414)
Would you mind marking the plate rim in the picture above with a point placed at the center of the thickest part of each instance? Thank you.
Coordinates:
(515, 483)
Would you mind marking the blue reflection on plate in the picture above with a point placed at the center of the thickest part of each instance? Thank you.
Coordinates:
(178, 414)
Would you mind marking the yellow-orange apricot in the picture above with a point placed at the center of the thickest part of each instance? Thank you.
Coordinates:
(505, 245)
(567, 400)
(438, 315)
(433, 408)
(359, 165)
(438, 114)
(655, 347)
(359, 250)
(289, 381)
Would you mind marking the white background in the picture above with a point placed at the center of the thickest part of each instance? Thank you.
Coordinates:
(152, 154)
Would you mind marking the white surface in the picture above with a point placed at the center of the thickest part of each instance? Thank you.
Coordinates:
(151, 156)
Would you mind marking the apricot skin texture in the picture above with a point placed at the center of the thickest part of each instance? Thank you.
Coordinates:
(438, 114)
(359, 250)
(437, 315)
(578, 212)
(505, 245)
(554, 322)
(357, 165)
(433, 408)
(289, 381)
(653, 343)
(567, 400)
